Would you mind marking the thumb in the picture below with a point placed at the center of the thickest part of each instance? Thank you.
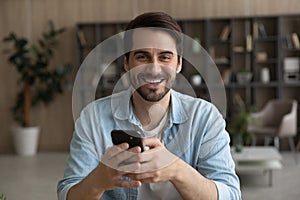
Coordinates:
(151, 142)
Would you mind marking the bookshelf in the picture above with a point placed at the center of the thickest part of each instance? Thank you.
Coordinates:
(256, 44)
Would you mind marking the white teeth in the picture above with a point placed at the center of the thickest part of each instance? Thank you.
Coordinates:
(153, 81)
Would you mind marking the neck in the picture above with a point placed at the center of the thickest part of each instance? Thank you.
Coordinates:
(150, 113)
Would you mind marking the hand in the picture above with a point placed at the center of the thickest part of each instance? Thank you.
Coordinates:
(115, 163)
(107, 175)
(156, 164)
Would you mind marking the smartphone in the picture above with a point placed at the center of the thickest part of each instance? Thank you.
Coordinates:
(130, 137)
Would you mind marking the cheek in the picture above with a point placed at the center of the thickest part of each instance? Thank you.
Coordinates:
(171, 71)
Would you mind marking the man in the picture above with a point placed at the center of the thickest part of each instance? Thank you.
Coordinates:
(189, 154)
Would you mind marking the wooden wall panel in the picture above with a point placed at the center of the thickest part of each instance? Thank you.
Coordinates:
(29, 18)
(13, 17)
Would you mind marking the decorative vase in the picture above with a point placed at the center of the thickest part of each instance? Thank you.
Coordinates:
(265, 75)
(25, 140)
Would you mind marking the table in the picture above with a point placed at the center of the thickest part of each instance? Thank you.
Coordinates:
(257, 158)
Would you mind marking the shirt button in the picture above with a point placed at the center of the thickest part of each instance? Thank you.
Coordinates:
(170, 137)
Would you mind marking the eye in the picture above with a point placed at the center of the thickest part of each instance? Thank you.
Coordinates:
(166, 57)
(141, 57)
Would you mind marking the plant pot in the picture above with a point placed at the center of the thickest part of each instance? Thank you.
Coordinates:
(25, 140)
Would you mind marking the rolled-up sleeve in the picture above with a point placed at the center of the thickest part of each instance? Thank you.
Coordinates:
(82, 159)
(215, 160)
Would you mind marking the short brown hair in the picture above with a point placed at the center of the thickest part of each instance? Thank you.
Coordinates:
(156, 20)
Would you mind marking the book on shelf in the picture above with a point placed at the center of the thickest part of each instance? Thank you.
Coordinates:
(226, 76)
(224, 35)
(249, 43)
(288, 40)
(255, 30)
(221, 60)
(81, 38)
(262, 31)
(295, 40)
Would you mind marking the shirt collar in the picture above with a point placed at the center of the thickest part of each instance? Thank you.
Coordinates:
(178, 113)
(122, 108)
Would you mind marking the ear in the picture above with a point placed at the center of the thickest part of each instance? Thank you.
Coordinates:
(179, 65)
(126, 66)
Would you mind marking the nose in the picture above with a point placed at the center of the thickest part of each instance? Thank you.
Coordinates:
(154, 67)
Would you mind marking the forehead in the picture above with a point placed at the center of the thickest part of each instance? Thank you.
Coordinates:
(148, 38)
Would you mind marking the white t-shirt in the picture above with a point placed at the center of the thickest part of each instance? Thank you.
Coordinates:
(163, 190)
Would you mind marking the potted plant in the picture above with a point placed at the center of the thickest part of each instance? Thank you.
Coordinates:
(38, 82)
(2, 197)
(237, 128)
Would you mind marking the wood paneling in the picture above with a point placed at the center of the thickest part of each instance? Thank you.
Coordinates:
(29, 18)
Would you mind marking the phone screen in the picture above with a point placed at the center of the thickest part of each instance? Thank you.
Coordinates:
(130, 137)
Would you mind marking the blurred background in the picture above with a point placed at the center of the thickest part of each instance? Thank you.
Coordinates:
(256, 36)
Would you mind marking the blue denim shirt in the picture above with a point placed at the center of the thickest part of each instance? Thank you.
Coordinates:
(195, 132)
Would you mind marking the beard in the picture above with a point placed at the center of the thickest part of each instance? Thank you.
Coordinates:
(152, 95)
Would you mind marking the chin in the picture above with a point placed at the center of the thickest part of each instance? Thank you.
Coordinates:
(152, 95)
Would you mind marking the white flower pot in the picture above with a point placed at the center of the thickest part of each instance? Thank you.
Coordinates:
(25, 140)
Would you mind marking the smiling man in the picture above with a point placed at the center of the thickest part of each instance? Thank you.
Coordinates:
(189, 154)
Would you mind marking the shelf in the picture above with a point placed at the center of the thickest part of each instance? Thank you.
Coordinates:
(266, 39)
(241, 52)
(291, 84)
(292, 49)
(218, 41)
(236, 52)
(238, 85)
(260, 84)
(268, 61)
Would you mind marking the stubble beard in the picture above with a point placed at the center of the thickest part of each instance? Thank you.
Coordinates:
(151, 95)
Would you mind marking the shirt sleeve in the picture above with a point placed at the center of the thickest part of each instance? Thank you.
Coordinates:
(83, 157)
(215, 160)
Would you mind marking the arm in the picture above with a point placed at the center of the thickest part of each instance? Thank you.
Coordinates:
(213, 175)
(86, 175)
(192, 185)
(102, 178)
(159, 165)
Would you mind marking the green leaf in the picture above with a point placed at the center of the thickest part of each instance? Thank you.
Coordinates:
(10, 37)
(32, 61)
(42, 44)
(51, 25)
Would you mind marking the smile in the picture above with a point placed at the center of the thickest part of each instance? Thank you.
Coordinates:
(153, 81)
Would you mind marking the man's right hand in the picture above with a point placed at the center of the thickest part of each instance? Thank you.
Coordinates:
(114, 164)
(108, 174)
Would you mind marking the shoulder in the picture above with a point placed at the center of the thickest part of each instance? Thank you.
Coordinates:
(105, 103)
(188, 102)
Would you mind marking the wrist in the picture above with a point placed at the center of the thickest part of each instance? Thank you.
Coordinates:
(179, 171)
(99, 171)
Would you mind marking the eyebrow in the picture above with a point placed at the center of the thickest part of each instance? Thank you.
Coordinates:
(147, 53)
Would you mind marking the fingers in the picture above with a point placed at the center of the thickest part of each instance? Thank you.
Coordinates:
(125, 157)
(116, 149)
(120, 158)
(141, 176)
(155, 160)
(128, 167)
(151, 142)
(127, 184)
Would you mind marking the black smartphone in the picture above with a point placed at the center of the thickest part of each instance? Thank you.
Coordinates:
(128, 136)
